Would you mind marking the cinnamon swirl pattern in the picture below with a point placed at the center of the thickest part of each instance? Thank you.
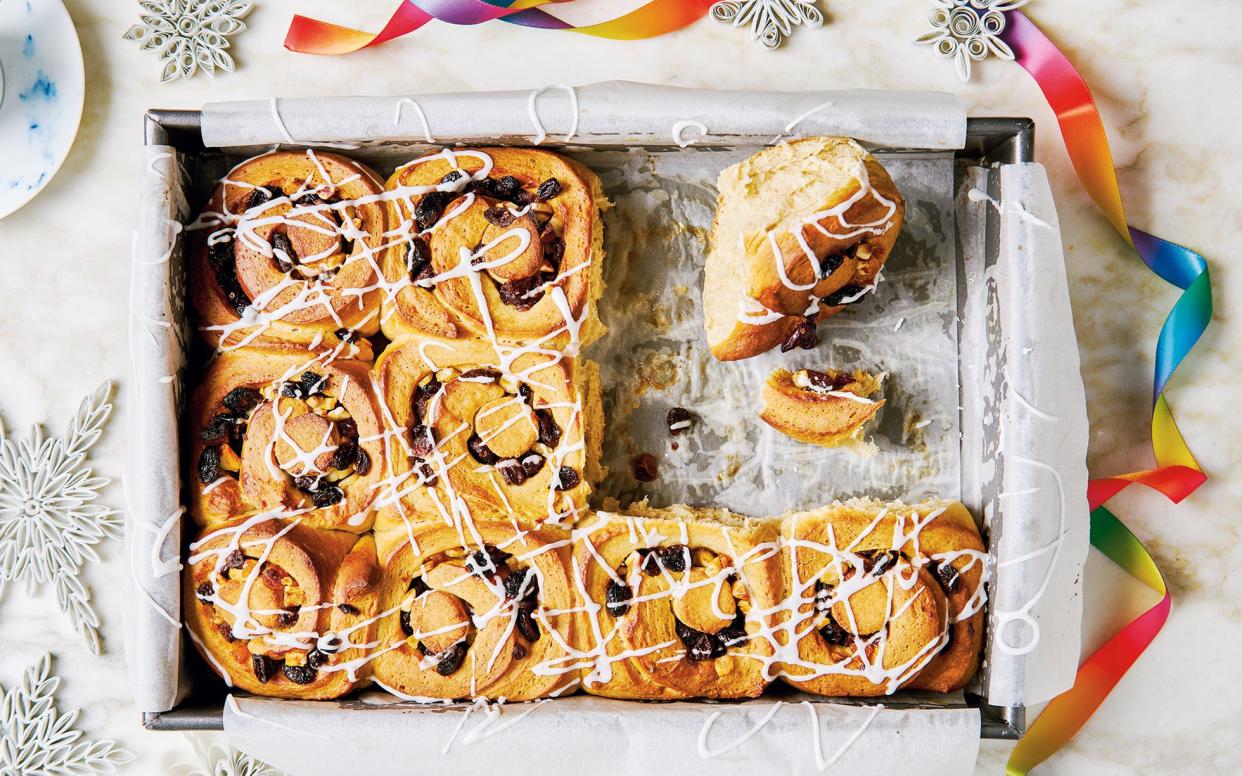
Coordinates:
(473, 436)
(276, 430)
(488, 616)
(678, 603)
(279, 608)
(500, 244)
(881, 597)
(287, 253)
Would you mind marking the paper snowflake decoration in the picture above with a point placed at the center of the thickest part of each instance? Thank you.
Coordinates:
(190, 35)
(216, 759)
(35, 738)
(771, 21)
(968, 31)
(49, 523)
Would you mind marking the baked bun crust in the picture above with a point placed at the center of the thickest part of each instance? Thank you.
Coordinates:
(826, 408)
(882, 597)
(802, 229)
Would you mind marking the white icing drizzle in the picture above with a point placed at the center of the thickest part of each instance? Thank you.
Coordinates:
(822, 764)
(540, 133)
(707, 753)
(679, 132)
(799, 119)
(979, 195)
(422, 117)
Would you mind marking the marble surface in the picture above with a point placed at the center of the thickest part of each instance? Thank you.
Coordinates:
(1164, 74)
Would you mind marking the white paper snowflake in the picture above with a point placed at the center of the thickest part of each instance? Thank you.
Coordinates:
(217, 759)
(190, 35)
(35, 738)
(771, 21)
(968, 31)
(49, 523)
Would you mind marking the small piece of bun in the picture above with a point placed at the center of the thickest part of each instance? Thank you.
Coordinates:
(827, 408)
(820, 197)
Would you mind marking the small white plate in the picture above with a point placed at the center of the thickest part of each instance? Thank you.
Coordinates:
(41, 92)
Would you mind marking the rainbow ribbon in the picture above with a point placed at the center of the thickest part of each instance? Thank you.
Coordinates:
(657, 17)
(1177, 474)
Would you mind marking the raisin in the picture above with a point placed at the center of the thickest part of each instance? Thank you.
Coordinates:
(617, 598)
(423, 395)
(499, 216)
(950, 578)
(300, 674)
(282, 251)
(418, 259)
(554, 252)
(261, 195)
(308, 484)
(834, 633)
(209, 465)
(801, 336)
(234, 560)
(837, 297)
(205, 591)
(831, 263)
(263, 666)
(649, 562)
(678, 420)
(514, 583)
(526, 624)
(645, 468)
(362, 464)
(347, 428)
(405, 624)
(316, 658)
(450, 176)
(347, 335)
(286, 618)
(419, 586)
(519, 652)
(309, 199)
(313, 384)
(216, 432)
(326, 496)
(451, 659)
(699, 645)
(422, 443)
(480, 451)
(521, 293)
(348, 609)
(568, 479)
(507, 187)
(526, 393)
(735, 632)
(480, 374)
(548, 189)
(532, 464)
(220, 253)
(513, 472)
(822, 381)
(240, 401)
(549, 431)
(880, 563)
(823, 597)
(428, 473)
(675, 557)
(487, 561)
(345, 454)
(429, 209)
(226, 631)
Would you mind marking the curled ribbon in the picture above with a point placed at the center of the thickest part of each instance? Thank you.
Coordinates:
(656, 17)
(1177, 474)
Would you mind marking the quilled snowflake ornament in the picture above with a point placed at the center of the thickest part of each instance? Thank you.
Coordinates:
(771, 21)
(190, 35)
(49, 523)
(35, 738)
(968, 31)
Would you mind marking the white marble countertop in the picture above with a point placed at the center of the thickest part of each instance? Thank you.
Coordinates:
(1165, 74)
